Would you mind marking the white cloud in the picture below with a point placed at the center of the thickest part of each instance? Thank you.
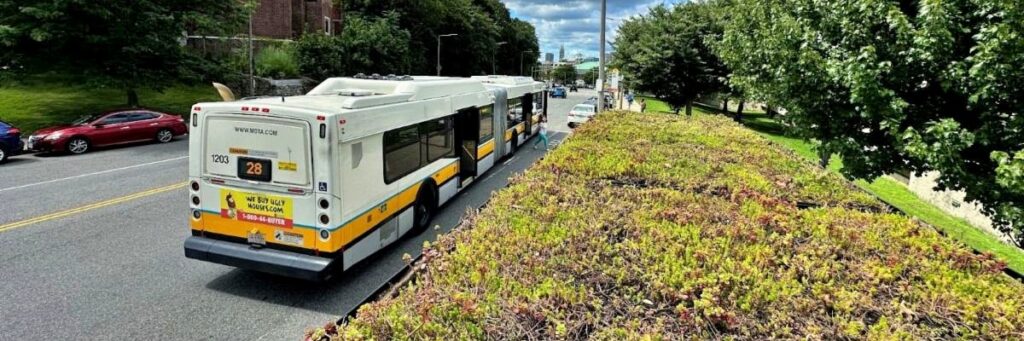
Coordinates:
(576, 23)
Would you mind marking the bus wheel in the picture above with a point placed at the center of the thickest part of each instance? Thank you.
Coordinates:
(423, 210)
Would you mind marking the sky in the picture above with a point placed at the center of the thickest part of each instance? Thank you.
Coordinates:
(576, 23)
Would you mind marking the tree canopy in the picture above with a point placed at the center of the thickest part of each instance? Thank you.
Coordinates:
(125, 43)
(896, 85)
(665, 53)
(480, 25)
(564, 73)
(369, 45)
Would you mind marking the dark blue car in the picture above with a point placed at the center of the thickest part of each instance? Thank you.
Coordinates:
(558, 92)
(10, 141)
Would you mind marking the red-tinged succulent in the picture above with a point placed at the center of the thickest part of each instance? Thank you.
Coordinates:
(330, 328)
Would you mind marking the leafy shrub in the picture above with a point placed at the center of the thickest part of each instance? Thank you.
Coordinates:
(368, 45)
(277, 62)
(655, 226)
(320, 56)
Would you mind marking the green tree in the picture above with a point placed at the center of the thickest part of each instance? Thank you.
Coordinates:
(890, 85)
(375, 45)
(665, 53)
(320, 56)
(591, 76)
(480, 25)
(130, 44)
(369, 45)
(564, 73)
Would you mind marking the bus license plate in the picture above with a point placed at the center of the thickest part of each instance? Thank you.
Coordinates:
(257, 239)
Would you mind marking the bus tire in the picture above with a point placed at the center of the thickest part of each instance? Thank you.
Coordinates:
(424, 208)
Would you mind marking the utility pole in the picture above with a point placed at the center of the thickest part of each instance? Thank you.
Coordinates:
(439, 50)
(521, 54)
(600, 68)
(494, 56)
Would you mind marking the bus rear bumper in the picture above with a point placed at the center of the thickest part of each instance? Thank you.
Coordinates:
(283, 263)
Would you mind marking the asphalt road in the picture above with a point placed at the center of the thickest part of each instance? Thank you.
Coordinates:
(91, 248)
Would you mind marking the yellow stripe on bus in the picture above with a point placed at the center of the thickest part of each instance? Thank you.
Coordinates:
(483, 150)
(518, 129)
(367, 221)
(342, 236)
(446, 173)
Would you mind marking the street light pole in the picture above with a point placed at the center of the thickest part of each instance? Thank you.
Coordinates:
(439, 50)
(252, 58)
(600, 68)
(494, 55)
(521, 54)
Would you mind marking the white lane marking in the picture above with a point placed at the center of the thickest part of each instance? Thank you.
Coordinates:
(510, 160)
(93, 173)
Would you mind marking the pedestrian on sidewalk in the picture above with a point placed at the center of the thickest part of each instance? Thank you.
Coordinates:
(543, 133)
(643, 105)
(629, 98)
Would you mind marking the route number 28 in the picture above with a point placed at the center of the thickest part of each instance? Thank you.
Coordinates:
(254, 168)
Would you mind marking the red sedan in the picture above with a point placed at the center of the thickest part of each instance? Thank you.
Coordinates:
(111, 128)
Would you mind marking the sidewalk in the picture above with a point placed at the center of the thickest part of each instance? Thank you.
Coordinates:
(622, 104)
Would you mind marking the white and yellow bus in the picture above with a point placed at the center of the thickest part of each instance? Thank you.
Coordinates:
(305, 186)
(525, 103)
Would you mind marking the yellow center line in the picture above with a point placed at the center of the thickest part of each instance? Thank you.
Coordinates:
(90, 207)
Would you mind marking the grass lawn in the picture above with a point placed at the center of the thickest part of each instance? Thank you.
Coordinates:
(649, 227)
(39, 104)
(895, 194)
(655, 105)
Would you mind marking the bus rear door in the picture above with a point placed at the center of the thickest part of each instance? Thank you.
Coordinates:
(467, 134)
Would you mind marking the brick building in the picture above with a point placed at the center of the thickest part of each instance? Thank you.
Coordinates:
(289, 19)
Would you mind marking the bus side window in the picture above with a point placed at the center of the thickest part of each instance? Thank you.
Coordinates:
(439, 138)
(515, 110)
(401, 152)
(486, 123)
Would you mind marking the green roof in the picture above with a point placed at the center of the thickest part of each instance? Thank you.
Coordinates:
(583, 67)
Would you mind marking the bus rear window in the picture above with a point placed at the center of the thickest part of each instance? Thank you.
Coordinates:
(258, 149)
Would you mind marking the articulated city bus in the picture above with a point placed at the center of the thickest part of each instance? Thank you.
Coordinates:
(304, 186)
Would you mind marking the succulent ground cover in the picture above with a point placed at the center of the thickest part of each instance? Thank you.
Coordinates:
(691, 228)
